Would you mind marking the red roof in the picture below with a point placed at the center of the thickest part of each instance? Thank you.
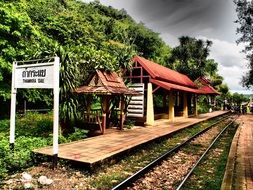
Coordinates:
(160, 72)
(203, 80)
(105, 83)
(209, 90)
(170, 86)
(204, 85)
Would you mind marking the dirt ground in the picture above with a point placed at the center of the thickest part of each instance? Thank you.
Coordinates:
(63, 178)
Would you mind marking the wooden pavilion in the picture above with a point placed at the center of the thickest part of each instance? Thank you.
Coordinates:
(105, 84)
(175, 92)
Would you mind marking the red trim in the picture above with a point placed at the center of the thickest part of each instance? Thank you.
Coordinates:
(170, 86)
(137, 59)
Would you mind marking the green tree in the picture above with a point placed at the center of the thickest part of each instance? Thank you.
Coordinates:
(190, 57)
(244, 11)
(15, 30)
(238, 99)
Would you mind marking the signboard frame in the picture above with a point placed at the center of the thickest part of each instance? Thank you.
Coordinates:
(53, 67)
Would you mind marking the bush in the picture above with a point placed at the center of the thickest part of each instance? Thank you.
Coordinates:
(34, 124)
(78, 134)
(32, 131)
(203, 106)
(129, 123)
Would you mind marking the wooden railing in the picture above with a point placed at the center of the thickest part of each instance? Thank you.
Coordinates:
(93, 117)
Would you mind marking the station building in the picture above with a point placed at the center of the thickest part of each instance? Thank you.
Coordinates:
(166, 93)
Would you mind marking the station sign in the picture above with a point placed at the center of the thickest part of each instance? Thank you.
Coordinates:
(34, 76)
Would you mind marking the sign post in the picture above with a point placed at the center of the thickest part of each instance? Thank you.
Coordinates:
(56, 111)
(13, 108)
(38, 75)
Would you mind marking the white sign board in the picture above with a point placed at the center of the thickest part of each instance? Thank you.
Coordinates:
(35, 76)
(39, 75)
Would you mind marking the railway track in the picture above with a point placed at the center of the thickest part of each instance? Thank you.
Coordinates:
(176, 160)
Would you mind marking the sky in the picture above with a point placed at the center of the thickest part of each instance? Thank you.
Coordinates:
(202, 19)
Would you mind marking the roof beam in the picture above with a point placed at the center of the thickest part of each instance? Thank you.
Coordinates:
(156, 89)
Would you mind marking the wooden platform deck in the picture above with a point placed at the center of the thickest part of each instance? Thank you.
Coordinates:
(239, 168)
(96, 149)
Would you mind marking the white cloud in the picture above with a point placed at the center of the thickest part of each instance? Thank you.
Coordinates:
(228, 54)
(232, 63)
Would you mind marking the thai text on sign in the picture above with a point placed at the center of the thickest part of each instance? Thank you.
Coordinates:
(37, 76)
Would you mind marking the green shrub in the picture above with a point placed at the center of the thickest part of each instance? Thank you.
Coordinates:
(34, 124)
(129, 123)
(32, 131)
(4, 126)
(44, 127)
(77, 135)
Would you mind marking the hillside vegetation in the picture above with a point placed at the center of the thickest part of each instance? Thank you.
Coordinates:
(84, 36)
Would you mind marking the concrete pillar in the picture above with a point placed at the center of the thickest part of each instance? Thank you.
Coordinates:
(150, 107)
(185, 106)
(171, 106)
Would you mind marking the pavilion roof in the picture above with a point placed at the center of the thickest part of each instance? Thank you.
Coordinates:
(205, 86)
(208, 89)
(105, 83)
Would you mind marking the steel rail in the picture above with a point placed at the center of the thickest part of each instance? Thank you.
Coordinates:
(155, 162)
(203, 155)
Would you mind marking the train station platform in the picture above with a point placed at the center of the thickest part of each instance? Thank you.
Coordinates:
(239, 169)
(93, 150)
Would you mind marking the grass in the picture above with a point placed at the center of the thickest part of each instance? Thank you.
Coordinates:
(32, 131)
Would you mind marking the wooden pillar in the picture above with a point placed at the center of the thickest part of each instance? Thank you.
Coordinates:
(150, 107)
(89, 99)
(164, 99)
(185, 105)
(171, 106)
(122, 113)
(195, 105)
(104, 112)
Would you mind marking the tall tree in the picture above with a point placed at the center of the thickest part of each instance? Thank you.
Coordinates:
(190, 57)
(244, 11)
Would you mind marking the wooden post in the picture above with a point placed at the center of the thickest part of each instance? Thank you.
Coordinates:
(164, 99)
(89, 98)
(104, 112)
(195, 105)
(185, 105)
(171, 106)
(122, 114)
